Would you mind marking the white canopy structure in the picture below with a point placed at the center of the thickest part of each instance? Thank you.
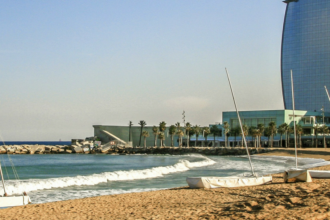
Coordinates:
(217, 182)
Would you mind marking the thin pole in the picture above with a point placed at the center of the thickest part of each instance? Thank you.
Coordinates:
(294, 121)
(3, 182)
(327, 92)
(240, 123)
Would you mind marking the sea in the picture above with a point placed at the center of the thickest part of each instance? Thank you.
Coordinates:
(35, 142)
(57, 177)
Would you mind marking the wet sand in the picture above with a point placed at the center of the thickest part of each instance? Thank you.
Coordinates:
(278, 200)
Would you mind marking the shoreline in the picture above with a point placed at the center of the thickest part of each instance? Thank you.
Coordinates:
(275, 200)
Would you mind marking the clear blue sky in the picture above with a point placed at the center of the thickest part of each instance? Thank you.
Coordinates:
(67, 65)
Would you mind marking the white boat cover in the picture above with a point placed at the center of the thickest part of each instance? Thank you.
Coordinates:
(9, 201)
(324, 174)
(300, 175)
(217, 182)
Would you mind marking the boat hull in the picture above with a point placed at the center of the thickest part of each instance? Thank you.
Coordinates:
(10, 201)
(322, 174)
(226, 182)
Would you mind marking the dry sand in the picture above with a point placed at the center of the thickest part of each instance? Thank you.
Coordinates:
(273, 201)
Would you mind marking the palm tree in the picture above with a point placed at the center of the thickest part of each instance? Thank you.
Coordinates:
(246, 132)
(178, 126)
(235, 132)
(192, 133)
(155, 132)
(316, 130)
(162, 128)
(161, 137)
(197, 130)
(254, 133)
(281, 130)
(285, 128)
(145, 134)
(272, 130)
(180, 135)
(206, 132)
(188, 128)
(267, 133)
(299, 131)
(261, 130)
(142, 123)
(226, 127)
(290, 131)
(130, 131)
(324, 130)
(215, 131)
(171, 132)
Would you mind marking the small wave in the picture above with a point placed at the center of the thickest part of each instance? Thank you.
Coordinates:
(57, 195)
(13, 187)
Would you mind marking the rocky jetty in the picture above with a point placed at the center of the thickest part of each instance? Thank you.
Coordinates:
(88, 148)
(93, 146)
(34, 149)
(221, 151)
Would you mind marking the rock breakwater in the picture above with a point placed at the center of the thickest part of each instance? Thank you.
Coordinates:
(89, 148)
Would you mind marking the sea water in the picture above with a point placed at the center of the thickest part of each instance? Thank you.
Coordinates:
(48, 178)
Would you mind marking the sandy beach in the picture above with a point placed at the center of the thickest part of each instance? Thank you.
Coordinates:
(273, 201)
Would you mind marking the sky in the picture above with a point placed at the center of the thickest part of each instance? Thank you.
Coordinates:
(68, 65)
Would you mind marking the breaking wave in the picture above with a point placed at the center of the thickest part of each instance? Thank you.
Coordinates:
(16, 187)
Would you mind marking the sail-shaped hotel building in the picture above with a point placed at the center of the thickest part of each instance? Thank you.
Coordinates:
(306, 51)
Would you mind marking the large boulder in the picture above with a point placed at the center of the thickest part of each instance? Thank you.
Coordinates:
(55, 149)
(2, 150)
(76, 149)
(34, 149)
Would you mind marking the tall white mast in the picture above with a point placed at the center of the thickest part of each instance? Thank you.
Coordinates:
(327, 92)
(294, 121)
(240, 123)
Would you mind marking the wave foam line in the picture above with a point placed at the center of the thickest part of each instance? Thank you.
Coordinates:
(57, 195)
(31, 185)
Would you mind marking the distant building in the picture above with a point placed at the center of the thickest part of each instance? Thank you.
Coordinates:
(107, 133)
(306, 51)
(307, 119)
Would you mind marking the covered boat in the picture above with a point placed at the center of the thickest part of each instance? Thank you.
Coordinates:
(217, 182)
(321, 174)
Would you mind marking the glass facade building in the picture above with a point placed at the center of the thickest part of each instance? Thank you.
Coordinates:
(306, 51)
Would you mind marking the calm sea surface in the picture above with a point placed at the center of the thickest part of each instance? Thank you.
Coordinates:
(49, 178)
(35, 142)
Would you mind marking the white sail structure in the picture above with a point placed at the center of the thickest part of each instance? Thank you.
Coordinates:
(296, 174)
(321, 174)
(9, 201)
(229, 182)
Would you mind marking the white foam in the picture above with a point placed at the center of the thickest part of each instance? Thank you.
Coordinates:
(58, 195)
(236, 166)
(16, 187)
